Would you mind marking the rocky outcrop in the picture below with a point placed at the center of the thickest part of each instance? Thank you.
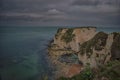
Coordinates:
(97, 50)
(100, 49)
(115, 48)
(72, 38)
(91, 47)
(74, 70)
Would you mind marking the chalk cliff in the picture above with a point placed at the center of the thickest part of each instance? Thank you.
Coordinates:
(91, 47)
(71, 38)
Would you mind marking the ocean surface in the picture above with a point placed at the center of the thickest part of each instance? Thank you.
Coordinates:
(23, 54)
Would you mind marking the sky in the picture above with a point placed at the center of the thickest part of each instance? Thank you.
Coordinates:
(60, 12)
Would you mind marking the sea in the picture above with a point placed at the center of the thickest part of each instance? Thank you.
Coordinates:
(23, 52)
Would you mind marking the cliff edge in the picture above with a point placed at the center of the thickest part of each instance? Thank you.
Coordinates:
(74, 48)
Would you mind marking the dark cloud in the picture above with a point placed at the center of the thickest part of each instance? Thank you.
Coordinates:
(86, 2)
(64, 12)
(30, 5)
(96, 2)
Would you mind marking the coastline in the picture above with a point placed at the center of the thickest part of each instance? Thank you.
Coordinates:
(63, 68)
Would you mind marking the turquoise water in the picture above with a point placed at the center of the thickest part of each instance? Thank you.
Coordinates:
(23, 54)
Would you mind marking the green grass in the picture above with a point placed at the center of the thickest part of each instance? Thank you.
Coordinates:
(87, 47)
(111, 71)
(68, 35)
(86, 74)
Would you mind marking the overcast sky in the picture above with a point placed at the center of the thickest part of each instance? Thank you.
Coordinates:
(60, 12)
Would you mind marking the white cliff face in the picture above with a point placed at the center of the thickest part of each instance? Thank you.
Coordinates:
(91, 47)
(81, 35)
(71, 44)
(57, 39)
(98, 57)
(107, 49)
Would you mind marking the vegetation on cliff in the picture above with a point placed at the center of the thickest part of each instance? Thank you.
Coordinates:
(103, 53)
(115, 48)
(59, 30)
(68, 36)
(84, 27)
(110, 71)
(97, 42)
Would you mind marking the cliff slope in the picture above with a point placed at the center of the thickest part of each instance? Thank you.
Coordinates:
(82, 46)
